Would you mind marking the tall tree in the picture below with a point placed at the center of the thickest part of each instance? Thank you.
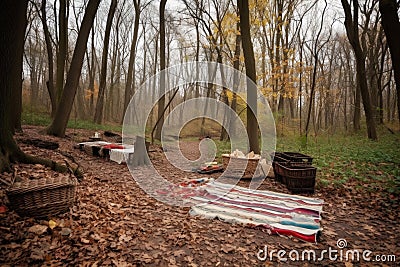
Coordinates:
(130, 79)
(62, 47)
(161, 102)
(98, 116)
(13, 23)
(391, 26)
(49, 48)
(247, 45)
(315, 52)
(236, 65)
(60, 120)
(91, 64)
(351, 24)
(12, 28)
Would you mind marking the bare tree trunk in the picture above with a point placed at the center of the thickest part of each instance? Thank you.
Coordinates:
(285, 54)
(388, 96)
(351, 24)
(236, 64)
(345, 108)
(33, 69)
(49, 48)
(252, 124)
(118, 114)
(153, 81)
(114, 69)
(161, 102)
(278, 36)
(379, 83)
(391, 26)
(301, 86)
(197, 91)
(211, 73)
(60, 120)
(98, 116)
(130, 80)
(314, 73)
(12, 26)
(62, 47)
(92, 72)
(224, 96)
(140, 156)
(357, 107)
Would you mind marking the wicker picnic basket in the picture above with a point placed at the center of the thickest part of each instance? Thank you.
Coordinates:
(297, 158)
(278, 157)
(297, 178)
(237, 165)
(42, 197)
(288, 159)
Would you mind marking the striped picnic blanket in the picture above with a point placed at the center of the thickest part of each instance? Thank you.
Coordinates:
(282, 214)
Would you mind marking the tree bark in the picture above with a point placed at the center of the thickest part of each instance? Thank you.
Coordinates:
(13, 23)
(391, 26)
(351, 24)
(130, 80)
(252, 124)
(92, 71)
(315, 53)
(50, 58)
(33, 69)
(236, 64)
(140, 156)
(278, 36)
(161, 102)
(357, 107)
(62, 47)
(197, 91)
(388, 96)
(111, 98)
(60, 120)
(98, 116)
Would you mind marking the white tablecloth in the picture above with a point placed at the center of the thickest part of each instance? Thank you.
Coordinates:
(120, 155)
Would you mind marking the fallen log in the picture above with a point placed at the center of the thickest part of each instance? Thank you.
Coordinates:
(41, 143)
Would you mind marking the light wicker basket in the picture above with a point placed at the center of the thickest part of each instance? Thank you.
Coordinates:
(42, 197)
(250, 166)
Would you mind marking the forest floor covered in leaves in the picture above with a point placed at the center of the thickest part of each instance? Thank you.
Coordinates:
(114, 222)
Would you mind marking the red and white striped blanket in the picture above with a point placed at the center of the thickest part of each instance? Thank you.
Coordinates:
(282, 214)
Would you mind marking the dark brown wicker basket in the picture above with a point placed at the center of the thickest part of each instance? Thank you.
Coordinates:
(252, 170)
(297, 178)
(288, 159)
(42, 197)
(292, 158)
(278, 157)
(295, 157)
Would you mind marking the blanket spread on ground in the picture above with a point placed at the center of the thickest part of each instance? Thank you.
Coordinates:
(282, 214)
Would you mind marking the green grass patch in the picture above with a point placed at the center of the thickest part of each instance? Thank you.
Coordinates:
(35, 118)
(43, 119)
(345, 160)
(223, 147)
(352, 159)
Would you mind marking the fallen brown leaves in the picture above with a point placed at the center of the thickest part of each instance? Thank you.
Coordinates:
(114, 223)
